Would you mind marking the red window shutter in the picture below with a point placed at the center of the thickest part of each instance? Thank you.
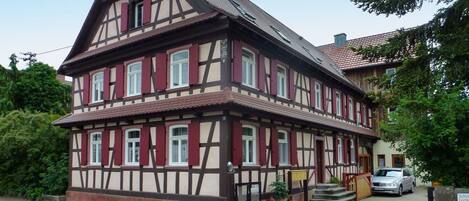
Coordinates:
(105, 148)
(144, 145)
(84, 148)
(160, 150)
(293, 148)
(345, 105)
(262, 146)
(273, 77)
(291, 84)
(334, 102)
(261, 73)
(345, 149)
(237, 62)
(146, 11)
(119, 86)
(365, 113)
(354, 110)
(335, 146)
(161, 71)
(237, 143)
(124, 17)
(194, 64)
(118, 146)
(312, 92)
(146, 75)
(107, 82)
(356, 150)
(194, 143)
(325, 103)
(274, 146)
(86, 89)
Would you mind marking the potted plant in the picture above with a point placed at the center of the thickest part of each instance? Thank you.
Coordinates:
(280, 190)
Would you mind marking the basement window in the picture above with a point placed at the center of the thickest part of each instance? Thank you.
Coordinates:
(282, 35)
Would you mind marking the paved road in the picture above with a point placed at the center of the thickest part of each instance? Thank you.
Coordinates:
(11, 199)
(419, 195)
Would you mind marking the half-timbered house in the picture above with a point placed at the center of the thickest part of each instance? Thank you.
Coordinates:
(204, 100)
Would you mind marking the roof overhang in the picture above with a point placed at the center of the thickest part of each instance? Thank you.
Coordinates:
(226, 99)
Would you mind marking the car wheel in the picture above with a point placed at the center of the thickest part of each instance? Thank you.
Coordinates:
(414, 187)
(399, 193)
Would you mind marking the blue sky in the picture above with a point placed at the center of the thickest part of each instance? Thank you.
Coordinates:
(44, 25)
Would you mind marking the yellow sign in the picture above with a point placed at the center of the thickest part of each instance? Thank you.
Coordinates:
(298, 175)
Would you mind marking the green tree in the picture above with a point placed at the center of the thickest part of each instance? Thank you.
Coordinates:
(430, 89)
(33, 155)
(34, 88)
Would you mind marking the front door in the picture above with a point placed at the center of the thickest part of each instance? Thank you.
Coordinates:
(364, 162)
(320, 161)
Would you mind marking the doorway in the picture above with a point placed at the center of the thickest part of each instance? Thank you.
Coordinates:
(320, 161)
(364, 162)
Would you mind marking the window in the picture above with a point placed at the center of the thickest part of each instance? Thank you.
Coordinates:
(282, 82)
(137, 14)
(370, 118)
(249, 68)
(134, 79)
(381, 161)
(180, 69)
(398, 161)
(329, 99)
(249, 145)
(391, 73)
(98, 87)
(338, 103)
(283, 147)
(318, 91)
(132, 146)
(282, 35)
(340, 152)
(178, 145)
(352, 151)
(350, 109)
(95, 157)
(359, 114)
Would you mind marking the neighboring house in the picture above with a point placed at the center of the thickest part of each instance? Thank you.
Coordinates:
(167, 94)
(63, 79)
(358, 70)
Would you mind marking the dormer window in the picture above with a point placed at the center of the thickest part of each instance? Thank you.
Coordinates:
(249, 16)
(137, 14)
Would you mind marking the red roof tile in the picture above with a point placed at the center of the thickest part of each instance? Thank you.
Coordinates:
(345, 58)
(208, 100)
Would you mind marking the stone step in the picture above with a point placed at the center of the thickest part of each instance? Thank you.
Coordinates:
(335, 196)
(326, 186)
(350, 198)
(329, 190)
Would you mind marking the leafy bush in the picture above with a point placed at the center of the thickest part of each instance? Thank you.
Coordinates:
(32, 155)
(335, 180)
(280, 189)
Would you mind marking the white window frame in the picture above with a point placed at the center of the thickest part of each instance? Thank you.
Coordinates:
(136, 17)
(352, 151)
(318, 95)
(286, 160)
(350, 109)
(338, 103)
(132, 161)
(329, 99)
(245, 72)
(95, 148)
(179, 66)
(359, 113)
(370, 118)
(137, 81)
(340, 151)
(179, 139)
(245, 145)
(391, 72)
(279, 84)
(97, 84)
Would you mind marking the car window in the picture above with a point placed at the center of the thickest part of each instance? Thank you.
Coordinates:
(388, 173)
(406, 173)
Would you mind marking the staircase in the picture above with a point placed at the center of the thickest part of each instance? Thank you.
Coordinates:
(327, 192)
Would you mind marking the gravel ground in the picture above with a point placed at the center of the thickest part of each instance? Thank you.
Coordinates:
(419, 195)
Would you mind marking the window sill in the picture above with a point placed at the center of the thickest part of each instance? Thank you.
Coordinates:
(177, 167)
(131, 167)
(98, 103)
(176, 89)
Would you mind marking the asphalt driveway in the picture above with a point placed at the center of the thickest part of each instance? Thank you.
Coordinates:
(419, 195)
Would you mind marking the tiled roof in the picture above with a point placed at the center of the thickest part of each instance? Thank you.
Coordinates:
(226, 97)
(346, 59)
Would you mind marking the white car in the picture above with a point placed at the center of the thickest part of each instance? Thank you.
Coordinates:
(393, 181)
